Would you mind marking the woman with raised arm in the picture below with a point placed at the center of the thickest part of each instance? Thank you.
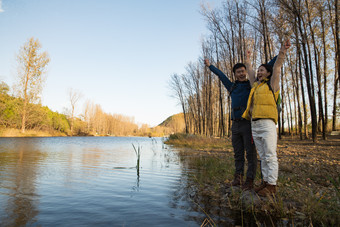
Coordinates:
(262, 111)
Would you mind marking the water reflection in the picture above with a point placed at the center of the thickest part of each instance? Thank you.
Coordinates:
(21, 163)
(87, 181)
(94, 181)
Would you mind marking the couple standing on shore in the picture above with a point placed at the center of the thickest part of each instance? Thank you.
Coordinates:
(254, 116)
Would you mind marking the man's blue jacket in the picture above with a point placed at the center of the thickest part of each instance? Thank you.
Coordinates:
(239, 93)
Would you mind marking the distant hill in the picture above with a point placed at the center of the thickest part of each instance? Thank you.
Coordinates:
(175, 123)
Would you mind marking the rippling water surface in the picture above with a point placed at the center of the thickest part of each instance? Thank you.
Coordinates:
(91, 181)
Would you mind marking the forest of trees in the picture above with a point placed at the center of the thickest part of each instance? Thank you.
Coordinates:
(310, 75)
(37, 116)
(20, 107)
(93, 121)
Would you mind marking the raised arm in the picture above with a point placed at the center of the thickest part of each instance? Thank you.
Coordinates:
(206, 62)
(275, 80)
(224, 79)
(250, 71)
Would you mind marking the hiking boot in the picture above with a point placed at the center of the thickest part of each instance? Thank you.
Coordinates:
(238, 180)
(262, 186)
(268, 190)
(248, 185)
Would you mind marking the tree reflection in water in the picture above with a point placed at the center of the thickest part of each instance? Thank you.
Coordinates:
(21, 163)
(37, 176)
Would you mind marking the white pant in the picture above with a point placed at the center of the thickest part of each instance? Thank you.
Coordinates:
(265, 138)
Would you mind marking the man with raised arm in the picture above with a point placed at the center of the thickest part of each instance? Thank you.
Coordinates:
(241, 128)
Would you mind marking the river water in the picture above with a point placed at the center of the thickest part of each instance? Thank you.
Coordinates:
(93, 181)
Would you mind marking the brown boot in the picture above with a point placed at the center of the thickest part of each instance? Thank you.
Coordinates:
(248, 185)
(268, 190)
(238, 180)
(262, 186)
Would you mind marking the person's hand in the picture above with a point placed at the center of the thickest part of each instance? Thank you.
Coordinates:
(207, 62)
(285, 46)
(248, 53)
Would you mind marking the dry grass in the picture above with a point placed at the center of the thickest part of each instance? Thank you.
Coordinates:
(308, 184)
(11, 132)
(199, 143)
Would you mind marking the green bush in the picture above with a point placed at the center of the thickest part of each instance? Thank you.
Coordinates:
(38, 116)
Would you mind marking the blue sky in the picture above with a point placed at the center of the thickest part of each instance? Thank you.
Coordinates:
(119, 54)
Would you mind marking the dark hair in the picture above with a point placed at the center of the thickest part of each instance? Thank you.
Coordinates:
(269, 69)
(238, 65)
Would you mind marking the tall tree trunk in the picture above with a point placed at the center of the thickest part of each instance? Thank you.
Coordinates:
(295, 111)
(283, 106)
(335, 96)
(198, 100)
(24, 111)
(27, 78)
(280, 119)
(318, 73)
(210, 112)
(231, 21)
(296, 97)
(337, 80)
(308, 78)
(289, 113)
(23, 119)
(263, 21)
(324, 67)
(334, 24)
(221, 117)
(305, 117)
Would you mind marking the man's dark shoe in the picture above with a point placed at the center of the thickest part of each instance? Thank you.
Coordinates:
(248, 185)
(262, 186)
(238, 180)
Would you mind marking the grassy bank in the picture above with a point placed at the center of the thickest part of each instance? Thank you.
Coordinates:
(11, 132)
(199, 143)
(308, 184)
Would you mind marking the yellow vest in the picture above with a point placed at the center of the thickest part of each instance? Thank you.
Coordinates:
(261, 100)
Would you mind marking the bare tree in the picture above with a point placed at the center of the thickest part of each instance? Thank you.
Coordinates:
(31, 66)
(74, 97)
(177, 87)
(88, 115)
(312, 25)
(333, 11)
